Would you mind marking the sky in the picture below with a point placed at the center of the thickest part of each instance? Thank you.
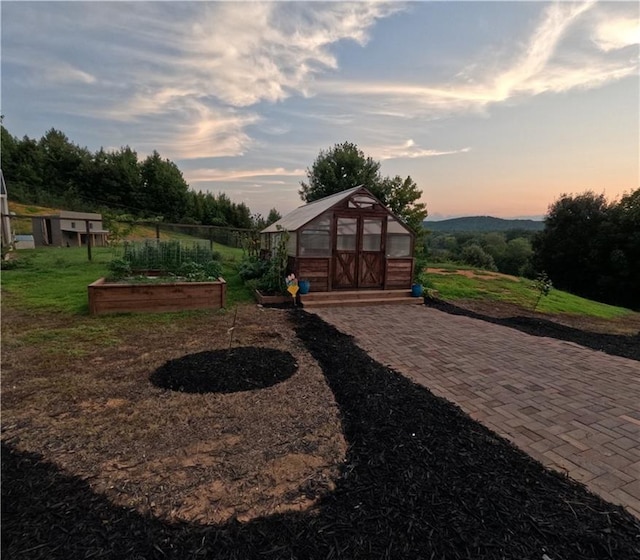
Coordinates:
(493, 108)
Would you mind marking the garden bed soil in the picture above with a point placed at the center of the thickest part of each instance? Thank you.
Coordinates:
(98, 462)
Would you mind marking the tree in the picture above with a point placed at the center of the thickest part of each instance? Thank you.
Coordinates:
(345, 166)
(574, 244)
(63, 165)
(474, 255)
(163, 190)
(273, 216)
(401, 196)
(340, 168)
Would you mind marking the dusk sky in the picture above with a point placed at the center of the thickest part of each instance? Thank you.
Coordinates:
(493, 108)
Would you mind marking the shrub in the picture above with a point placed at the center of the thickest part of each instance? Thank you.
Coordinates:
(195, 272)
(273, 280)
(252, 267)
(475, 255)
(118, 269)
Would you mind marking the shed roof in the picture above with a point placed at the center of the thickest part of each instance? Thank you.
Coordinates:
(304, 214)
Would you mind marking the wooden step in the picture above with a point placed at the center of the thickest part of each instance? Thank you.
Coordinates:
(355, 294)
(361, 301)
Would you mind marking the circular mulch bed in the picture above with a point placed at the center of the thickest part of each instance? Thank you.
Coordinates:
(225, 371)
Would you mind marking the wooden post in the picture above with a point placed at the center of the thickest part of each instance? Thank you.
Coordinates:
(158, 232)
(88, 230)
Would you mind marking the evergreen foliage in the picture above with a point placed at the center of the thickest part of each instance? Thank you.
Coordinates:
(53, 171)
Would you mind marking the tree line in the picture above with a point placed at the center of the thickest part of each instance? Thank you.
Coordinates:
(588, 246)
(591, 247)
(53, 171)
(507, 252)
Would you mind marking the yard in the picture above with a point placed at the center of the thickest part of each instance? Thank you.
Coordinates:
(343, 459)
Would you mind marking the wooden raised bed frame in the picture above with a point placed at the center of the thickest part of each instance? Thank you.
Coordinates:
(113, 297)
(264, 299)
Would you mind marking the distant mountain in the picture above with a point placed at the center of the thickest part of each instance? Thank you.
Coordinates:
(482, 224)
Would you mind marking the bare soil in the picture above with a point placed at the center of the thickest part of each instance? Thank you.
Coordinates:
(161, 423)
(344, 458)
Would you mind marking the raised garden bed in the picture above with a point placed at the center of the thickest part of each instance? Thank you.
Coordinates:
(265, 299)
(121, 297)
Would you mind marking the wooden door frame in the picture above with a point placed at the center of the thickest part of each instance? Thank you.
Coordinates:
(359, 216)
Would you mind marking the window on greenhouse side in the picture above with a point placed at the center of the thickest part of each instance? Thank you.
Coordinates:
(315, 238)
(398, 240)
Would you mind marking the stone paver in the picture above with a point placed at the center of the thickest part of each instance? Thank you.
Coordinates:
(573, 409)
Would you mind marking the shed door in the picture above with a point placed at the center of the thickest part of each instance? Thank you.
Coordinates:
(358, 253)
(345, 270)
(371, 255)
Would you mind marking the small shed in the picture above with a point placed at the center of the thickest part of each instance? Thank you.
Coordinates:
(346, 241)
(71, 229)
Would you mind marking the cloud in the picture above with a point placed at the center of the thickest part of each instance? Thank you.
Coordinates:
(617, 33)
(409, 150)
(230, 57)
(239, 175)
(544, 64)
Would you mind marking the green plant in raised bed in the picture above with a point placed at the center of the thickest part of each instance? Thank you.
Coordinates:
(166, 256)
(273, 281)
(196, 272)
(118, 269)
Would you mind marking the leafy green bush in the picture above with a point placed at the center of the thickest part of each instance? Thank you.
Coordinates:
(475, 255)
(273, 280)
(195, 272)
(118, 269)
(252, 267)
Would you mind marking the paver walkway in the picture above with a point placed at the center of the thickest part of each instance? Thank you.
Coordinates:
(573, 409)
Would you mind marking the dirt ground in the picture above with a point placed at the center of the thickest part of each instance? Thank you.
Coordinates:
(99, 462)
(202, 457)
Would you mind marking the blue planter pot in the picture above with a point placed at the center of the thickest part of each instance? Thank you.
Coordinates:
(416, 290)
(304, 286)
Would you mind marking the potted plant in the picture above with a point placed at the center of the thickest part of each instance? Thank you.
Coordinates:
(419, 276)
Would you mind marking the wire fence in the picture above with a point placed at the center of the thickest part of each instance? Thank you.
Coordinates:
(90, 230)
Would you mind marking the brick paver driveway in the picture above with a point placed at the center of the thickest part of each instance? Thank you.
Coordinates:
(571, 408)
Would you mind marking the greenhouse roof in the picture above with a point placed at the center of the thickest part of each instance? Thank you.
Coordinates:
(304, 214)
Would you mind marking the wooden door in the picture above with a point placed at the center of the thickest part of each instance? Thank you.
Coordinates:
(345, 254)
(358, 254)
(371, 255)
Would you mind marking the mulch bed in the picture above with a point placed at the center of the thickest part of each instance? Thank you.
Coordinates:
(225, 371)
(626, 346)
(421, 480)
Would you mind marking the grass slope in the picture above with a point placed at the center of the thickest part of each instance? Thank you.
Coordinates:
(56, 279)
(455, 282)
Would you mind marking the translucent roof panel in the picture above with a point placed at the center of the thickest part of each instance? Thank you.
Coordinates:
(300, 216)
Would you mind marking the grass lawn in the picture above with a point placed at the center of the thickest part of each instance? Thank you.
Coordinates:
(56, 279)
(455, 282)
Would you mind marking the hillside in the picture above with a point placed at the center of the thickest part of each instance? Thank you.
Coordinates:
(482, 224)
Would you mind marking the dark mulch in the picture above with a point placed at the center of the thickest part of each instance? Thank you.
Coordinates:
(421, 480)
(225, 371)
(627, 346)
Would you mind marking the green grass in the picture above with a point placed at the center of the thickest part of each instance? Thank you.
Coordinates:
(56, 279)
(521, 291)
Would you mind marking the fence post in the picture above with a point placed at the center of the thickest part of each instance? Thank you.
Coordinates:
(158, 232)
(88, 230)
